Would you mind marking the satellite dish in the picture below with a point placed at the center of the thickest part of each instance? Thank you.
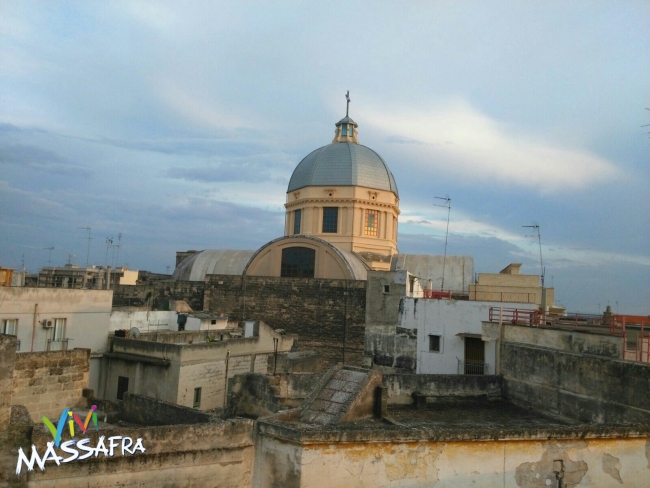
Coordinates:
(135, 332)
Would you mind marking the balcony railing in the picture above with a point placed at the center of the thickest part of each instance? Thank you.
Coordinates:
(472, 367)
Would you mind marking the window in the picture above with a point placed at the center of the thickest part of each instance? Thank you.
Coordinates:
(122, 386)
(197, 397)
(386, 288)
(59, 330)
(344, 129)
(372, 219)
(9, 326)
(330, 219)
(298, 262)
(297, 217)
(435, 343)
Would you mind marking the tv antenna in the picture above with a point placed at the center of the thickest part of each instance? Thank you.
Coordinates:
(49, 258)
(109, 243)
(446, 205)
(539, 240)
(118, 245)
(89, 239)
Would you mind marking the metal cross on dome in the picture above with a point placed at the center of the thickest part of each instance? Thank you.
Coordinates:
(347, 108)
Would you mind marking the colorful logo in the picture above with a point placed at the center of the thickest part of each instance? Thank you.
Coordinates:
(78, 450)
(67, 413)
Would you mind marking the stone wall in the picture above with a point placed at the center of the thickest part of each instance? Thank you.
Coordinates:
(566, 340)
(327, 315)
(47, 382)
(402, 386)
(585, 387)
(157, 293)
(256, 395)
(218, 454)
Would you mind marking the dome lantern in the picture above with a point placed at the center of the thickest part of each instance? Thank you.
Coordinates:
(346, 128)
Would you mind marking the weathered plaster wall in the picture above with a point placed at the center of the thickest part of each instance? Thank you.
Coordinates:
(386, 343)
(278, 464)
(566, 340)
(504, 464)
(402, 386)
(327, 315)
(580, 386)
(47, 382)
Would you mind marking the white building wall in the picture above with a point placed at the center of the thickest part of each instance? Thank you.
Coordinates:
(150, 320)
(447, 318)
(86, 314)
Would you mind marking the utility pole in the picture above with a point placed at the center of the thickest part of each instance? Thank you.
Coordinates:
(447, 205)
(49, 259)
(539, 240)
(89, 239)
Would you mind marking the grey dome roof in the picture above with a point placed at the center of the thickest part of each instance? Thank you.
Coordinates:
(211, 261)
(343, 164)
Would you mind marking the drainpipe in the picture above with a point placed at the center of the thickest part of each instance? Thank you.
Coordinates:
(497, 370)
(225, 392)
(34, 326)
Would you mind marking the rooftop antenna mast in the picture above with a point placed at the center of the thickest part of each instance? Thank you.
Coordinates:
(118, 245)
(539, 240)
(446, 205)
(109, 243)
(71, 257)
(89, 239)
(49, 258)
(347, 107)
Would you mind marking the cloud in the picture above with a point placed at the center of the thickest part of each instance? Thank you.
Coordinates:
(460, 140)
(39, 159)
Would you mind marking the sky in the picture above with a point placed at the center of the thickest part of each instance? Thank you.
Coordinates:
(178, 125)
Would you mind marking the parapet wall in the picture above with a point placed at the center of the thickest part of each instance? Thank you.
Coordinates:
(584, 387)
(402, 386)
(216, 453)
(47, 382)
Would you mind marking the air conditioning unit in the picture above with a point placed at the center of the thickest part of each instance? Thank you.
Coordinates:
(47, 324)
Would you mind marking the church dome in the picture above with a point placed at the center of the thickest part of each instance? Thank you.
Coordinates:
(343, 164)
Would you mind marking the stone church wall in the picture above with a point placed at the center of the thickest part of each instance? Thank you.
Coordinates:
(327, 315)
(156, 294)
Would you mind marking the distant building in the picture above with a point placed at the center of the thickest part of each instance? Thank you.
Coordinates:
(509, 285)
(48, 319)
(189, 368)
(91, 277)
